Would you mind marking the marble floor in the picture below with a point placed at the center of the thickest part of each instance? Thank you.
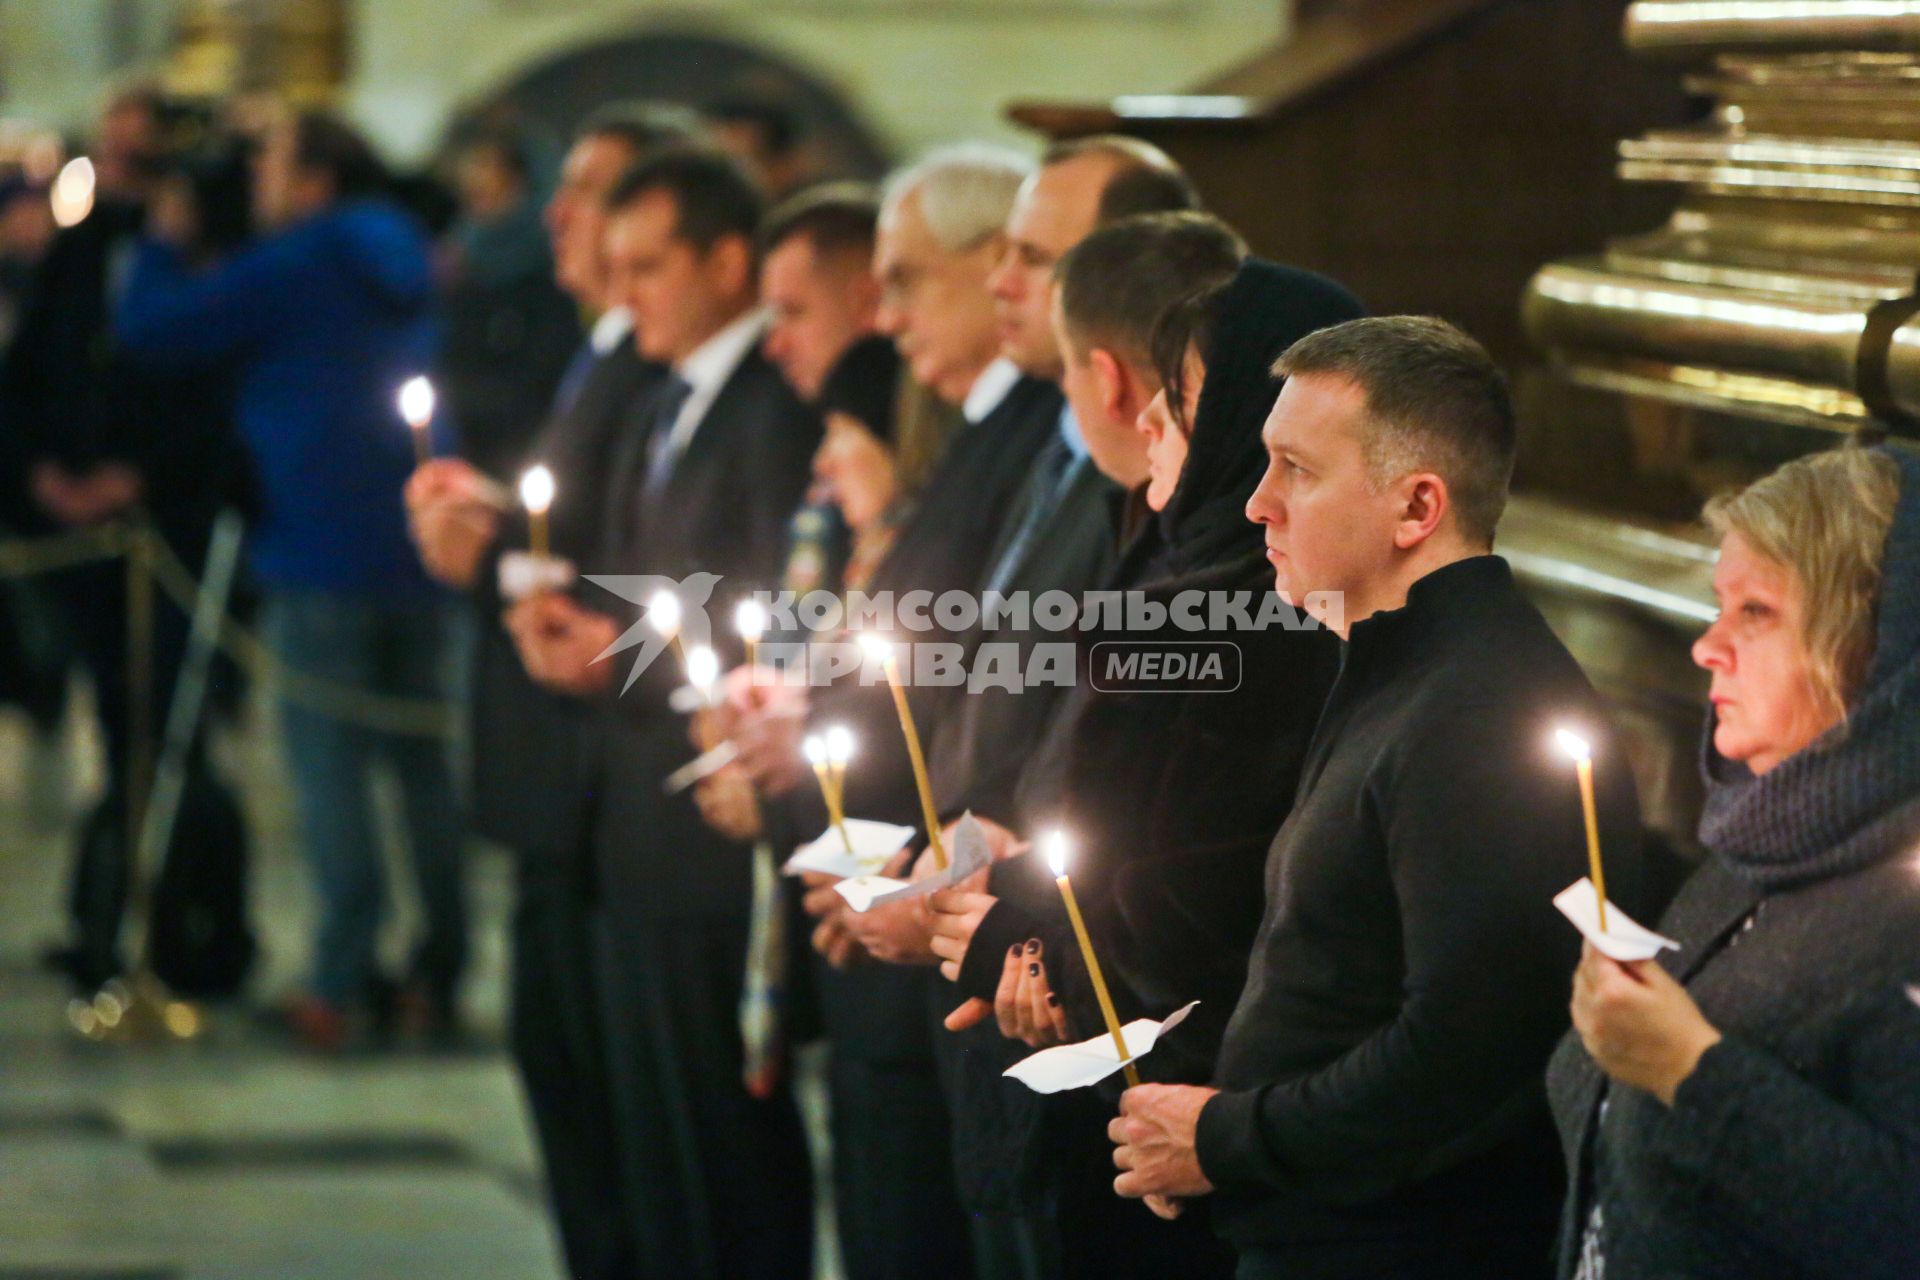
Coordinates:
(237, 1158)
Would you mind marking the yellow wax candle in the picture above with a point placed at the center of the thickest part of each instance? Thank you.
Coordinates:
(1057, 860)
(416, 407)
(750, 619)
(663, 615)
(1576, 746)
(890, 664)
(820, 756)
(536, 494)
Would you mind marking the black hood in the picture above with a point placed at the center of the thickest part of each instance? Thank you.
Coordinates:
(1265, 309)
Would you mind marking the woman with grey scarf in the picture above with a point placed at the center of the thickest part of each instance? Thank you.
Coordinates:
(1749, 1105)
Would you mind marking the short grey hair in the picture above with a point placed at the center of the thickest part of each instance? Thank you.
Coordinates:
(966, 191)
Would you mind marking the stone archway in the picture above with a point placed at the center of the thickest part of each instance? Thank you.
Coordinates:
(554, 94)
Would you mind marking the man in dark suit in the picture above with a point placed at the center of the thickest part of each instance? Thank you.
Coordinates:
(704, 483)
(1059, 532)
(528, 742)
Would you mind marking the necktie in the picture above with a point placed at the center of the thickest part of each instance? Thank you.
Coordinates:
(1051, 473)
(574, 380)
(662, 450)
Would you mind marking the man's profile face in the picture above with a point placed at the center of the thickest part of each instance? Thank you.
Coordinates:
(1327, 529)
(934, 302)
(1055, 211)
(678, 294)
(819, 304)
(576, 215)
(1118, 450)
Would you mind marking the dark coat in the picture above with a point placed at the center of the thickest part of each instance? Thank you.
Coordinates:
(70, 395)
(1793, 1150)
(878, 1011)
(1381, 1075)
(527, 741)
(508, 340)
(725, 510)
(982, 739)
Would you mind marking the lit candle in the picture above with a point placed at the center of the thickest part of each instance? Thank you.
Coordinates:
(883, 651)
(750, 619)
(536, 495)
(416, 406)
(1056, 845)
(828, 755)
(663, 615)
(703, 670)
(1576, 746)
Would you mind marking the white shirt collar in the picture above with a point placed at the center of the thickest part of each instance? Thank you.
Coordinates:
(706, 371)
(713, 361)
(610, 330)
(989, 389)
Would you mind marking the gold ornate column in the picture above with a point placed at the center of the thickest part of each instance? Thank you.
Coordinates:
(294, 49)
(1778, 290)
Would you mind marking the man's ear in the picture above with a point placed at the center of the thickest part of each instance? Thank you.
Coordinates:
(1110, 376)
(1424, 505)
(730, 263)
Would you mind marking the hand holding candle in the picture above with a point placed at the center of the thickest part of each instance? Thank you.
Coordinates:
(536, 495)
(1056, 850)
(416, 408)
(1582, 754)
(882, 650)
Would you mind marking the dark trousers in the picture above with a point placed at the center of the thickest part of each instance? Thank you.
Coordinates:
(893, 1173)
(719, 1182)
(93, 604)
(554, 1032)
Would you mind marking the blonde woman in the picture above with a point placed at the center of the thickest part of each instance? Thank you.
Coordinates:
(1749, 1106)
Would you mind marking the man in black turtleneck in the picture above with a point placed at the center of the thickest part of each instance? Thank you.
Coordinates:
(1379, 1109)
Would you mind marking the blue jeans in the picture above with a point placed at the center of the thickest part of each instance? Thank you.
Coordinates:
(394, 647)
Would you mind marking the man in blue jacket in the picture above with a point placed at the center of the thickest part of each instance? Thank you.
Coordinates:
(322, 319)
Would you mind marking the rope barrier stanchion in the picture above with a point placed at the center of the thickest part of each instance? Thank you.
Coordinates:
(30, 557)
(409, 717)
(139, 1007)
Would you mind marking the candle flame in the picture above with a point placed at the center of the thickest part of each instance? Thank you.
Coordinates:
(815, 748)
(839, 744)
(72, 195)
(750, 619)
(536, 490)
(416, 402)
(1055, 845)
(1576, 747)
(703, 667)
(663, 613)
(878, 648)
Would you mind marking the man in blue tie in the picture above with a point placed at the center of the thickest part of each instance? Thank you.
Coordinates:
(527, 742)
(711, 468)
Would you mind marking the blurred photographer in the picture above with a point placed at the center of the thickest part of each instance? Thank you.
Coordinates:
(95, 438)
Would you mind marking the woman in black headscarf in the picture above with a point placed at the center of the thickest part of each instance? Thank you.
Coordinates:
(1171, 794)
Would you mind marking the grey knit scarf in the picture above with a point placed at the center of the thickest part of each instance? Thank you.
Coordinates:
(1852, 797)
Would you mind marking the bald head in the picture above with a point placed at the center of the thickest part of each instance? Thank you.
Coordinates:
(1079, 186)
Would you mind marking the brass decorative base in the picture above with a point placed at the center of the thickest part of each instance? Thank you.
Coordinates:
(137, 1009)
